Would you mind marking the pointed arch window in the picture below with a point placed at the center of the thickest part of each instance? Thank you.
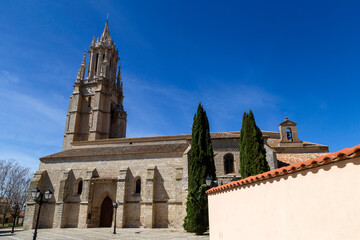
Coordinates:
(138, 186)
(228, 163)
(79, 187)
(89, 102)
(96, 63)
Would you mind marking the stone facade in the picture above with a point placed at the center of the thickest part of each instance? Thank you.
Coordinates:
(147, 175)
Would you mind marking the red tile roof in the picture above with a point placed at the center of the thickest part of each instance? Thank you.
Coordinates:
(331, 157)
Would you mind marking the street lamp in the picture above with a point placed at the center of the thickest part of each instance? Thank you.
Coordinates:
(210, 183)
(38, 198)
(115, 204)
(208, 180)
(234, 179)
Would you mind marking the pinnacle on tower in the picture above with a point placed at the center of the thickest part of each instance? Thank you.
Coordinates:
(81, 73)
(83, 64)
(105, 36)
(92, 42)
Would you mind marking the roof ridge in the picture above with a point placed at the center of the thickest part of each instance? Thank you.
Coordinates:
(335, 156)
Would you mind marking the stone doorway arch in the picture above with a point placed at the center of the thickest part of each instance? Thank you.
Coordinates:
(106, 213)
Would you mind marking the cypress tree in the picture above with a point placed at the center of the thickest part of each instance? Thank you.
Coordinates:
(252, 151)
(201, 164)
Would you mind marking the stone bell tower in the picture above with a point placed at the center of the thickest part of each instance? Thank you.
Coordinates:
(96, 105)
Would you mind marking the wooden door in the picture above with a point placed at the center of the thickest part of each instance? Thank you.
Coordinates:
(106, 213)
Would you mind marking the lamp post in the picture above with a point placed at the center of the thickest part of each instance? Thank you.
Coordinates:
(210, 183)
(115, 204)
(208, 180)
(234, 179)
(40, 198)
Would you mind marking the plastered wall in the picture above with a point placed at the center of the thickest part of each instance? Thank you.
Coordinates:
(317, 203)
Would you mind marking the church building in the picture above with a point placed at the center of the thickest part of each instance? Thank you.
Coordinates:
(148, 176)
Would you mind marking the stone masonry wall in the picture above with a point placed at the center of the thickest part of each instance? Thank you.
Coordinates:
(167, 192)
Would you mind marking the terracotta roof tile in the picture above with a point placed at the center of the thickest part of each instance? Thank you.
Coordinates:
(336, 156)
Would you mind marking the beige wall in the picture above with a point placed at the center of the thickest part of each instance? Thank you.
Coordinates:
(318, 203)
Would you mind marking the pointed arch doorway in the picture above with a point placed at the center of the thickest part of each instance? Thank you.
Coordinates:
(106, 213)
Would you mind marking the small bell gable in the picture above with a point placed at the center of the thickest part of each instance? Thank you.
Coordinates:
(288, 134)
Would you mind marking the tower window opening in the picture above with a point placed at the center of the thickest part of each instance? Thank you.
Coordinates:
(289, 134)
(89, 102)
(229, 163)
(96, 62)
(110, 68)
(138, 186)
(80, 186)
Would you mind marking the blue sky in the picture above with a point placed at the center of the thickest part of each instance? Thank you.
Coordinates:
(299, 59)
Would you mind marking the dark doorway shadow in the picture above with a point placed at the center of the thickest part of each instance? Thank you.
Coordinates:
(106, 213)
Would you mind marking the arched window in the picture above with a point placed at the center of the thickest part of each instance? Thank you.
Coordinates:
(289, 134)
(138, 186)
(110, 64)
(96, 63)
(89, 102)
(229, 163)
(79, 187)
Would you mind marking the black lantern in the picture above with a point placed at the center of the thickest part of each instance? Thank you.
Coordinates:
(208, 181)
(48, 195)
(234, 178)
(35, 194)
(40, 198)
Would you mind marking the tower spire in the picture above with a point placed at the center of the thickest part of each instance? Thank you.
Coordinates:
(105, 36)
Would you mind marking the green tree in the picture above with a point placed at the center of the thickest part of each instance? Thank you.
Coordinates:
(252, 151)
(201, 164)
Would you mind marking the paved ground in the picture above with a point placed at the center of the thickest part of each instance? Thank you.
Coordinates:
(100, 233)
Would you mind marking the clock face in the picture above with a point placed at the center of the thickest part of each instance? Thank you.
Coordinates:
(87, 91)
